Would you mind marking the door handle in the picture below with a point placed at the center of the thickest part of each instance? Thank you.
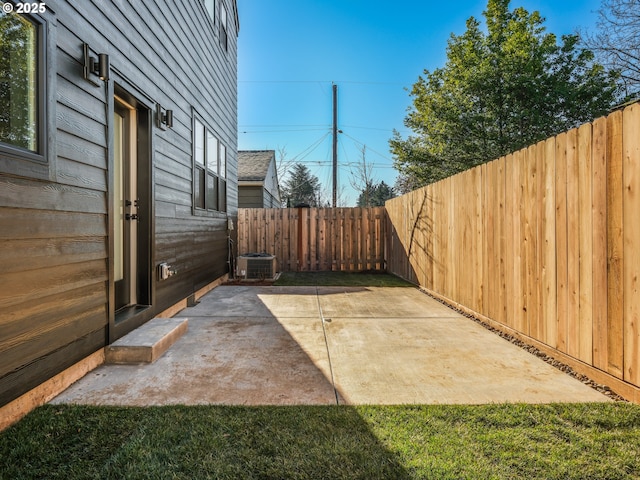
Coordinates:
(128, 216)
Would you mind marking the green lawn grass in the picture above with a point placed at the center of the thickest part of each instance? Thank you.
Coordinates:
(341, 279)
(599, 441)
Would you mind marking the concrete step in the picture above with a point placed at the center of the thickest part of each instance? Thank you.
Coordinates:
(147, 343)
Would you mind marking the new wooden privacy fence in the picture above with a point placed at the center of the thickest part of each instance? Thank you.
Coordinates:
(315, 239)
(545, 241)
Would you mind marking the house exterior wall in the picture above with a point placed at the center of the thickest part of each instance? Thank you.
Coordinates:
(271, 190)
(251, 197)
(56, 222)
(270, 200)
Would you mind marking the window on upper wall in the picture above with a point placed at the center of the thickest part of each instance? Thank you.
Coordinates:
(22, 104)
(209, 170)
(224, 39)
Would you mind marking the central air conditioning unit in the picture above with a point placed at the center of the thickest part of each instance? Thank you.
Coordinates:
(256, 266)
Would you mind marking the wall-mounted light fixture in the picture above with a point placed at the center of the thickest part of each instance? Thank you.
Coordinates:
(164, 118)
(95, 66)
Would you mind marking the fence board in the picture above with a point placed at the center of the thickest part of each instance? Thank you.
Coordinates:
(615, 251)
(305, 241)
(325, 241)
(336, 240)
(538, 330)
(459, 226)
(548, 233)
(599, 238)
(489, 218)
(438, 225)
(477, 239)
(313, 240)
(562, 297)
(573, 246)
(510, 218)
(585, 239)
(631, 235)
(501, 284)
(530, 241)
(450, 193)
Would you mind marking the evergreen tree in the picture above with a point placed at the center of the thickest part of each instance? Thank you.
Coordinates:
(301, 187)
(502, 88)
(375, 195)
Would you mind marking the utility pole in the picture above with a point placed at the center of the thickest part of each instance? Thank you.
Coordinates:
(335, 144)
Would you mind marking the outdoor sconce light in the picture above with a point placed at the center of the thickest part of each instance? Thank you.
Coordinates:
(164, 118)
(101, 67)
(96, 66)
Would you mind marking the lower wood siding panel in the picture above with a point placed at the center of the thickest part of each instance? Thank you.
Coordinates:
(39, 370)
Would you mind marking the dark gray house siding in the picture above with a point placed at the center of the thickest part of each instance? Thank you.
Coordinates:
(57, 216)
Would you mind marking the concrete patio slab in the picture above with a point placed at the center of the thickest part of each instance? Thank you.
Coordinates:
(440, 360)
(254, 345)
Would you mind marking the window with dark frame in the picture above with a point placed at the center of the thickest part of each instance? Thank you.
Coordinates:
(224, 39)
(222, 179)
(209, 170)
(199, 172)
(21, 122)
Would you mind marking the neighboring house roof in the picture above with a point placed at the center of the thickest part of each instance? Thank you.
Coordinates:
(253, 165)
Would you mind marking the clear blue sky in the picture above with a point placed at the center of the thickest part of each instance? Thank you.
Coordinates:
(290, 52)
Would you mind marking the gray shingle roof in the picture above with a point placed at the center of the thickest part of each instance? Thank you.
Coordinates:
(254, 164)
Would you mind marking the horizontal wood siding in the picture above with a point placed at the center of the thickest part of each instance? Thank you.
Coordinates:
(315, 239)
(251, 197)
(544, 241)
(54, 235)
(199, 257)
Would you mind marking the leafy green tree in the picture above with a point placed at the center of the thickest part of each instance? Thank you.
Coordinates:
(502, 88)
(301, 187)
(375, 195)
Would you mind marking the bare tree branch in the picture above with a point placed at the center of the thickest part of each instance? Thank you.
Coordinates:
(617, 41)
(362, 177)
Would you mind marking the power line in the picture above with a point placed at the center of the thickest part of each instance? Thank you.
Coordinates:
(350, 82)
(285, 131)
(307, 151)
(283, 81)
(286, 125)
(355, 140)
(328, 163)
(377, 129)
(310, 127)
